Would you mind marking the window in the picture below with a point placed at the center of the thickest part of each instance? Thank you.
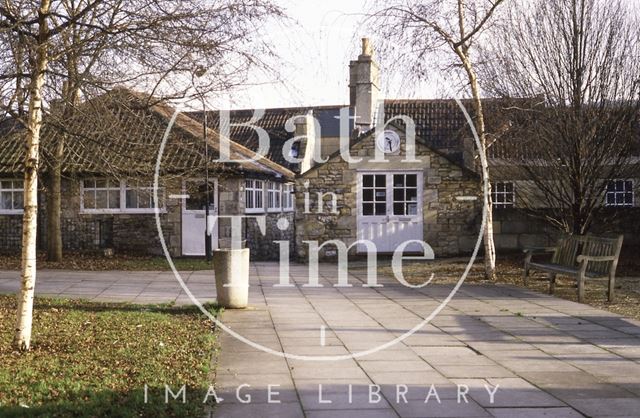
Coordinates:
(274, 198)
(101, 194)
(294, 152)
(107, 195)
(405, 194)
(287, 197)
(374, 195)
(619, 193)
(254, 192)
(139, 197)
(503, 195)
(11, 196)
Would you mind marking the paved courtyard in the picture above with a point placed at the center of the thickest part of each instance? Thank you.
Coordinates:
(117, 286)
(494, 351)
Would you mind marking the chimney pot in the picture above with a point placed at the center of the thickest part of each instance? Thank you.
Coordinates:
(366, 47)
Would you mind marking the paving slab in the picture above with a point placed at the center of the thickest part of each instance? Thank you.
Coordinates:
(147, 287)
(546, 356)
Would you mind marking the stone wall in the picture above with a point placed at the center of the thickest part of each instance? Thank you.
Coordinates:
(10, 233)
(450, 225)
(515, 229)
(262, 245)
(126, 233)
(132, 233)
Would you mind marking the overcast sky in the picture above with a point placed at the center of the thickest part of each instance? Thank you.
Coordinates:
(315, 54)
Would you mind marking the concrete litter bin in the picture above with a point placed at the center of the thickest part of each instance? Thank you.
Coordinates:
(231, 268)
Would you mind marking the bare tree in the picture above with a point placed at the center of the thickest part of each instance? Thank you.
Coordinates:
(153, 45)
(578, 58)
(39, 62)
(83, 48)
(449, 28)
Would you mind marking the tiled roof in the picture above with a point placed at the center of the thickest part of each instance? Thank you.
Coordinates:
(120, 132)
(440, 123)
(11, 146)
(444, 126)
(273, 122)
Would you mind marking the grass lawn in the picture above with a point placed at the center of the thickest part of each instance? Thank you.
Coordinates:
(92, 359)
(509, 271)
(95, 262)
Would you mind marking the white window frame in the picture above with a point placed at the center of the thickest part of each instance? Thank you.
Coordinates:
(616, 192)
(274, 197)
(504, 204)
(251, 186)
(122, 187)
(288, 197)
(84, 189)
(13, 191)
(129, 186)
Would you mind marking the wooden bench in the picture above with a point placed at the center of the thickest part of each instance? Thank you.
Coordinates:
(580, 256)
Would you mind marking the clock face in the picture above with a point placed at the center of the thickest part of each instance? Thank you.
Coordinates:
(388, 142)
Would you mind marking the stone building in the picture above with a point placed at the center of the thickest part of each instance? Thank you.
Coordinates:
(108, 201)
(432, 199)
(388, 171)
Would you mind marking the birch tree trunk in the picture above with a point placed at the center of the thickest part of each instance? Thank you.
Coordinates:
(489, 244)
(22, 339)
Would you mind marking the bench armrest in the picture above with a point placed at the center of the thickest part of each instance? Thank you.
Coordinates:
(588, 258)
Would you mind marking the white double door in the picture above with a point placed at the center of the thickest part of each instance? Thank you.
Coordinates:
(390, 210)
(194, 221)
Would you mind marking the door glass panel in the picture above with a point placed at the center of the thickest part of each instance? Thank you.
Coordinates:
(367, 209)
(197, 196)
(405, 194)
(367, 195)
(374, 195)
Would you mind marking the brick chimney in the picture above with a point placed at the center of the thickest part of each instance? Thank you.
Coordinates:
(364, 87)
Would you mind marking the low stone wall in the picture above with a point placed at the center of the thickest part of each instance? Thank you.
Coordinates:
(514, 230)
(262, 245)
(10, 233)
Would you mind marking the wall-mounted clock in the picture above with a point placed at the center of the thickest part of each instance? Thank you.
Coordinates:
(388, 142)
